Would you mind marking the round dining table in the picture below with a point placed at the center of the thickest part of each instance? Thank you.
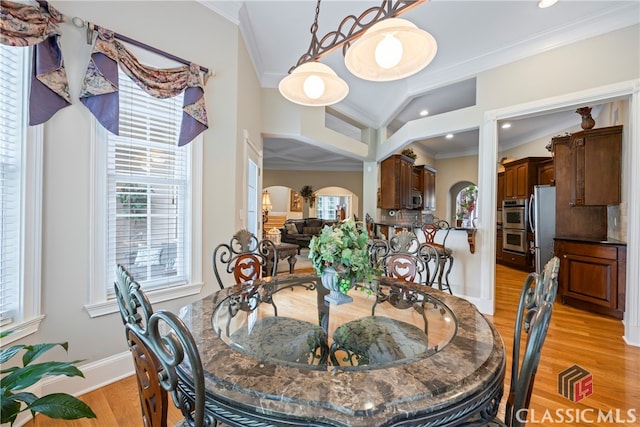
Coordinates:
(275, 352)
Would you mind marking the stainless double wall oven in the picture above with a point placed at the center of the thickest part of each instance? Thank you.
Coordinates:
(514, 225)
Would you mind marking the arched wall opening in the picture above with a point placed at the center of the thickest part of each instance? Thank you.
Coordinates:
(286, 201)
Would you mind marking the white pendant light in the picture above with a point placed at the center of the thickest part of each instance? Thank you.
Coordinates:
(313, 84)
(393, 40)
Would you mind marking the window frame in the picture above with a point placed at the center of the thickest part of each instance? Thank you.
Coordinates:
(29, 317)
(99, 303)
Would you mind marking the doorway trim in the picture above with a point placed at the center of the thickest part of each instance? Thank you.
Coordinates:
(487, 187)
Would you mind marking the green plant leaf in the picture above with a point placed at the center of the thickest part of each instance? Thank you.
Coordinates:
(62, 406)
(10, 409)
(8, 353)
(29, 375)
(35, 351)
(24, 396)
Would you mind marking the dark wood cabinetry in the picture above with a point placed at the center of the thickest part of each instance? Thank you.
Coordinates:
(520, 176)
(428, 180)
(596, 166)
(500, 196)
(587, 177)
(499, 253)
(592, 276)
(545, 172)
(396, 182)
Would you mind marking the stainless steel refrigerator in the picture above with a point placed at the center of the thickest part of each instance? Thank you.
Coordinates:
(542, 220)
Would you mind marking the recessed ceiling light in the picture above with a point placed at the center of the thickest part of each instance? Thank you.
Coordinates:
(506, 125)
(424, 113)
(546, 3)
(449, 136)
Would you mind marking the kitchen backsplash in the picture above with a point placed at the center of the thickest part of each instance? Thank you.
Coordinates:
(617, 222)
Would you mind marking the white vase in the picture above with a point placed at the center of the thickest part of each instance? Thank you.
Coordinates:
(331, 281)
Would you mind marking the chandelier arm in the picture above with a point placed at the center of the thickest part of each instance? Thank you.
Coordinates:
(334, 39)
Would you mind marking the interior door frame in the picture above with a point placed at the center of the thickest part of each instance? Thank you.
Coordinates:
(487, 187)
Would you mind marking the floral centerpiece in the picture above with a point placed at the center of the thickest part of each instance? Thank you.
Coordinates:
(340, 255)
(467, 202)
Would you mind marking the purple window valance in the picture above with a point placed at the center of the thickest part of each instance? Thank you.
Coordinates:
(25, 25)
(99, 91)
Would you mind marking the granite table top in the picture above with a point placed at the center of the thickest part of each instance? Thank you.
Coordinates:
(452, 381)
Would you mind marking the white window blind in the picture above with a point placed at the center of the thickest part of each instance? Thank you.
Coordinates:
(13, 125)
(148, 188)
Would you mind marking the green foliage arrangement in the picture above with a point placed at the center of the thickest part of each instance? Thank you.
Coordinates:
(409, 153)
(15, 379)
(343, 247)
(467, 201)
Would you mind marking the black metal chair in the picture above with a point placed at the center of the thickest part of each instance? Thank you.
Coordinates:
(404, 257)
(433, 237)
(373, 339)
(533, 317)
(159, 342)
(245, 257)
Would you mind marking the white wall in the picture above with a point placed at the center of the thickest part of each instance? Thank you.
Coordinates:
(198, 35)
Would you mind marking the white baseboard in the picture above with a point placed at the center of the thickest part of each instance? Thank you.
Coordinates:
(96, 374)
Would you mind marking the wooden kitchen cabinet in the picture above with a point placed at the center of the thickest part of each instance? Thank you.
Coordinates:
(587, 178)
(500, 196)
(428, 177)
(417, 179)
(596, 166)
(424, 181)
(592, 276)
(396, 174)
(499, 253)
(545, 172)
(520, 176)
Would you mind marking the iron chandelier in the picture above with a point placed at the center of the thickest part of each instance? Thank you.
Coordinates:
(377, 46)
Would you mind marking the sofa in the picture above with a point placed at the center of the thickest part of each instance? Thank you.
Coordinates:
(300, 231)
(160, 258)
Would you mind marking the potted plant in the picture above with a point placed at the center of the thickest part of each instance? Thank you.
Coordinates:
(16, 379)
(409, 153)
(340, 255)
(307, 194)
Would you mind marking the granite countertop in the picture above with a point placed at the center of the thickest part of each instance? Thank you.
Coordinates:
(404, 224)
(602, 242)
(465, 374)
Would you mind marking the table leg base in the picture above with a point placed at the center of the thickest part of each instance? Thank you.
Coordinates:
(337, 298)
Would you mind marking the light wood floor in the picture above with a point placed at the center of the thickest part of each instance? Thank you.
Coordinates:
(589, 340)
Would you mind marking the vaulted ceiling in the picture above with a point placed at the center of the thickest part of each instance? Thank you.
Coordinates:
(472, 36)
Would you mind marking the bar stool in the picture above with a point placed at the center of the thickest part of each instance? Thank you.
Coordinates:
(430, 231)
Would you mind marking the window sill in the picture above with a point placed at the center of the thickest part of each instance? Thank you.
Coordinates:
(21, 329)
(156, 296)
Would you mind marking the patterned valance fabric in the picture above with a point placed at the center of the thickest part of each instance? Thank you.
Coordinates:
(25, 25)
(99, 91)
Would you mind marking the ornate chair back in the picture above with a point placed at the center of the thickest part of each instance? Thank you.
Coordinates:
(245, 257)
(400, 257)
(533, 316)
(431, 230)
(370, 226)
(159, 342)
(431, 234)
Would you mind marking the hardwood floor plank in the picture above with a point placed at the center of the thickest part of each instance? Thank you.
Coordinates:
(589, 340)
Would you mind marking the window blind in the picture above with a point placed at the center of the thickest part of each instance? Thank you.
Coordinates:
(148, 189)
(13, 124)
